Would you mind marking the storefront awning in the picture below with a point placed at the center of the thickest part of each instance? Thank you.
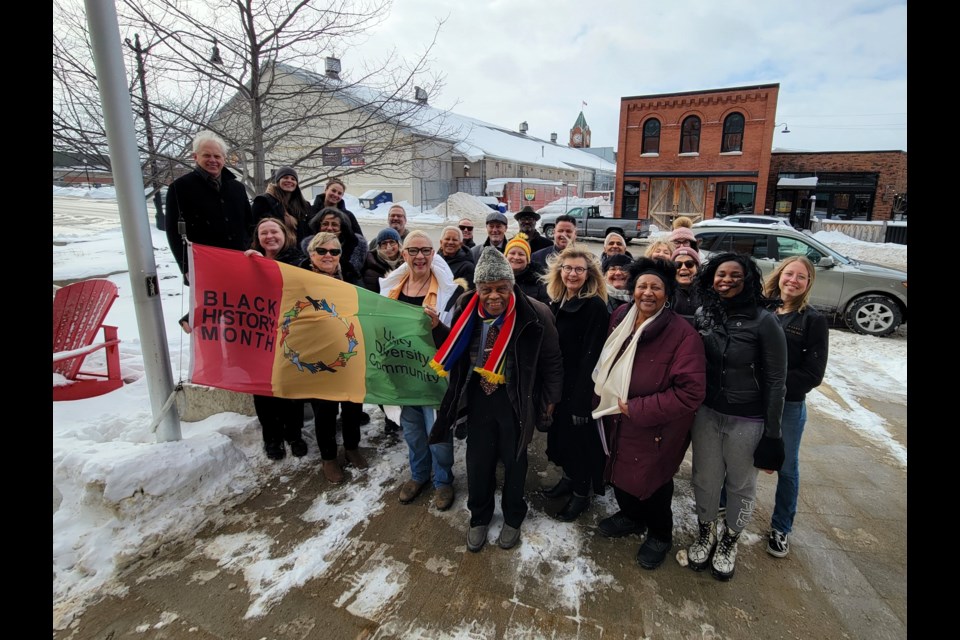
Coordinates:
(797, 183)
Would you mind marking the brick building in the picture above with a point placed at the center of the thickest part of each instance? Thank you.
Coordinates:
(848, 185)
(696, 153)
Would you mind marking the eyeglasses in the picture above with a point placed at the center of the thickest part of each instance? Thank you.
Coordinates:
(689, 264)
(320, 251)
(577, 270)
(463, 228)
(682, 242)
(415, 251)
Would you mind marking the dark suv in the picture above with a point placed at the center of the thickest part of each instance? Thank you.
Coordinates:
(869, 298)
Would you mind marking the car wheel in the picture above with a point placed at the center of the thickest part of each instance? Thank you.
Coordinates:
(548, 231)
(873, 316)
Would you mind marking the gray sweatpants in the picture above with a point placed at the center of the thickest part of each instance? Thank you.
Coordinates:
(723, 448)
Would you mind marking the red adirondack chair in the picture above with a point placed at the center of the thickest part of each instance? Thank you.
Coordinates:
(79, 310)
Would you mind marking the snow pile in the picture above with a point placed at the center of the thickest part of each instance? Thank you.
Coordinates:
(463, 205)
(888, 254)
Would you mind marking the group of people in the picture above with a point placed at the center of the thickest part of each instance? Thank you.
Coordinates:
(623, 362)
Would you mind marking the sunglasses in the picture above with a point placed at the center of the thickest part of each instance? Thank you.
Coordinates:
(689, 264)
(320, 251)
(414, 251)
(463, 228)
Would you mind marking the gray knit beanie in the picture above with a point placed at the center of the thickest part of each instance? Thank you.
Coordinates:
(492, 266)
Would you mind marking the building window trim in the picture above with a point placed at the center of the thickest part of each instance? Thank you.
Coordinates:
(690, 136)
(733, 129)
(650, 143)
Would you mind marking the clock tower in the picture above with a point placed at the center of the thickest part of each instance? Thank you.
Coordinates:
(580, 133)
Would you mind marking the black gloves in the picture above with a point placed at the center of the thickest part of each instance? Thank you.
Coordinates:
(769, 454)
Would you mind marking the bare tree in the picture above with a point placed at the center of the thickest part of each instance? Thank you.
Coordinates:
(253, 71)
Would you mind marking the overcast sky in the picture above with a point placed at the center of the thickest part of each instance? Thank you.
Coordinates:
(841, 66)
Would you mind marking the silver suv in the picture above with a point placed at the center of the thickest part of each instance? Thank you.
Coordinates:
(869, 298)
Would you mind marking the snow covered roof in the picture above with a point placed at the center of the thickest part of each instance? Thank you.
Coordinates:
(473, 139)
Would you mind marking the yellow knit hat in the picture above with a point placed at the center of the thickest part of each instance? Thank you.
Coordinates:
(519, 240)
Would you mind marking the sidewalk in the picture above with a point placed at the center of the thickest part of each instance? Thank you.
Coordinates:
(402, 571)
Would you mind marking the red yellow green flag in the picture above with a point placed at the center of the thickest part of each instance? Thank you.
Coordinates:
(271, 329)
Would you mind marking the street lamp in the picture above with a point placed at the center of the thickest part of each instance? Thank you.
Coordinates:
(786, 129)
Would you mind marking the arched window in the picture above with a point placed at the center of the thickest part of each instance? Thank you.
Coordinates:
(732, 133)
(690, 135)
(651, 136)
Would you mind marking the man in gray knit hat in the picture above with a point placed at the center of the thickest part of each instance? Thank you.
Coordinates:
(503, 360)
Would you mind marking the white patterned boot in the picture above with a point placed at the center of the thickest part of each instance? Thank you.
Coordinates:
(725, 557)
(698, 554)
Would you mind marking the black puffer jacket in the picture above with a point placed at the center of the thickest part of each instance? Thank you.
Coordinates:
(529, 282)
(533, 372)
(215, 218)
(746, 363)
(462, 266)
(685, 302)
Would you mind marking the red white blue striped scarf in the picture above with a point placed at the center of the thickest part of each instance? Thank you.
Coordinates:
(458, 342)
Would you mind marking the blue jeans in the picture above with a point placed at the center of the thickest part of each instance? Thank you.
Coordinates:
(417, 423)
(788, 478)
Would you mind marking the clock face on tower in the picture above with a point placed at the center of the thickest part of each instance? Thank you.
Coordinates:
(578, 137)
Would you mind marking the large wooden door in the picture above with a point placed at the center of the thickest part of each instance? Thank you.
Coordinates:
(672, 197)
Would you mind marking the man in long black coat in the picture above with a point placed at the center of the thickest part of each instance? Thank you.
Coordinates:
(497, 410)
(211, 202)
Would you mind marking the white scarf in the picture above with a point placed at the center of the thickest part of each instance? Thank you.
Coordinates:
(612, 379)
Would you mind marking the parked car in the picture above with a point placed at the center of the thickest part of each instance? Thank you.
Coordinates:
(591, 223)
(739, 219)
(868, 298)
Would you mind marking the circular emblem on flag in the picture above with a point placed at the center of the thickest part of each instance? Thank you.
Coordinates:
(292, 353)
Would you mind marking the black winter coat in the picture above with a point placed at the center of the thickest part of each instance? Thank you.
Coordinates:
(215, 218)
(348, 277)
(375, 268)
(462, 266)
(318, 205)
(267, 206)
(746, 364)
(529, 282)
(582, 325)
(685, 302)
(292, 256)
(807, 346)
(532, 371)
(538, 241)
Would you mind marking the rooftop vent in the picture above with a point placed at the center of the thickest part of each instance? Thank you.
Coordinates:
(332, 67)
(523, 128)
(420, 94)
(553, 137)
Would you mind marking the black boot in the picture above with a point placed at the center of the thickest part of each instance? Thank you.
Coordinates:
(559, 490)
(275, 450)
(572, 510)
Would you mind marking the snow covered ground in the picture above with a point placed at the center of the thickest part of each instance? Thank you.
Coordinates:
(118, 494)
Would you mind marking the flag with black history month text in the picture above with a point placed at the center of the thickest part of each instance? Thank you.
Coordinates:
(264, 327)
